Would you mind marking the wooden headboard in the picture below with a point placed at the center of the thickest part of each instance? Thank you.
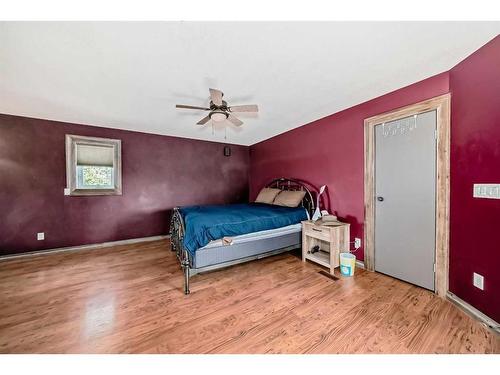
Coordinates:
(292, 184)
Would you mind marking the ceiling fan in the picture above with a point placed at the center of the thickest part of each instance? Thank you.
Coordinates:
(219, 110)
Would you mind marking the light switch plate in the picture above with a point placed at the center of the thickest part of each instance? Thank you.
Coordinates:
(40, 236)
(489, 191)
(478, 281)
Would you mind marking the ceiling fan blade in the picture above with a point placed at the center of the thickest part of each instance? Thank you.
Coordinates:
(234, 120)
(216, 96)
(203, 121)
(244, 108)
(191, 107)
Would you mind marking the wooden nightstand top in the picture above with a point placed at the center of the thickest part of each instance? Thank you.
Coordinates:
(311, 223)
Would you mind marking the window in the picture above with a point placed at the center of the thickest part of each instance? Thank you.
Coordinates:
(93, 165)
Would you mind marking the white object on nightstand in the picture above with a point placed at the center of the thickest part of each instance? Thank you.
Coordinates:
(317, 213)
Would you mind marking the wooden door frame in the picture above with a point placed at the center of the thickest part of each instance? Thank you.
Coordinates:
(442, 106)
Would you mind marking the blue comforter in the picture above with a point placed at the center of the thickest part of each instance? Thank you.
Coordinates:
(203, 224)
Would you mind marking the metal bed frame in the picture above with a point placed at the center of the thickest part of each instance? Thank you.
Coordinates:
(187, 264)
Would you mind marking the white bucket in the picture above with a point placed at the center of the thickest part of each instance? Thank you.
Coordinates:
(347, 264)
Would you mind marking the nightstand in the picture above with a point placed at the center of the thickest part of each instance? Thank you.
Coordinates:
(331, 239)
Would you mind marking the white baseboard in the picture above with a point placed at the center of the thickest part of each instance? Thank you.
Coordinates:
(360, 264)
(471, 310)
(83, 247)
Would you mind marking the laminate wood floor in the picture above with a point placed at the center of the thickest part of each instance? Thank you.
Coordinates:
(128, 299)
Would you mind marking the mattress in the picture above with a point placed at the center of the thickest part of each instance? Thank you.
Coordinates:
(256, 236)
(248, 245)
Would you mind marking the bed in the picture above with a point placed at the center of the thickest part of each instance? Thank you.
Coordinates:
(210, 237)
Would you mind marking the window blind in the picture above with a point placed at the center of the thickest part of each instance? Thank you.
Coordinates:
(94, 155)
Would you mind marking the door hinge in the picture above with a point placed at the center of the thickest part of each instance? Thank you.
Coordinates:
(434, 267)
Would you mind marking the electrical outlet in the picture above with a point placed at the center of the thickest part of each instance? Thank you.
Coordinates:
(478, 281)
(357, 243)
(40, 236)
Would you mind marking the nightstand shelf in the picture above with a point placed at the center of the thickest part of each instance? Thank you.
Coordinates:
(331, 240)
(321, 257)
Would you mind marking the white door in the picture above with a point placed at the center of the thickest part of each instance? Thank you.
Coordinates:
(405, 198)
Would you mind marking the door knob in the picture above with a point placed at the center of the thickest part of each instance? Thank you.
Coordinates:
(380, 199)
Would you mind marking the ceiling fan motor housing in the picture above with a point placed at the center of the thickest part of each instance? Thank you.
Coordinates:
(221, 107)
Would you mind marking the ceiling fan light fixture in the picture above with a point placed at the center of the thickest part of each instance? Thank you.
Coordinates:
(218, 116)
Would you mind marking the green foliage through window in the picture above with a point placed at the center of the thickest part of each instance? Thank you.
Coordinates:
(96, 176)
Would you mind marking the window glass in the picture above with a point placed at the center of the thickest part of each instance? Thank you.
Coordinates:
(94, 177)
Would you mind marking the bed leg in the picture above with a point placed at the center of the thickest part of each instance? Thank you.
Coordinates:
(185, 266)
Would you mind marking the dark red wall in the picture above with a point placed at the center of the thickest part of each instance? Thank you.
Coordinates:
(159, 173)
(330, 151)
(475, 158)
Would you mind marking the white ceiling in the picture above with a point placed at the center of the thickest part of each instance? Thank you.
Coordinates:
(130, 75)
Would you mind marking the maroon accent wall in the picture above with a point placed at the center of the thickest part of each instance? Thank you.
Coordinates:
(475, 158)
(330, 151)
(159, 173)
